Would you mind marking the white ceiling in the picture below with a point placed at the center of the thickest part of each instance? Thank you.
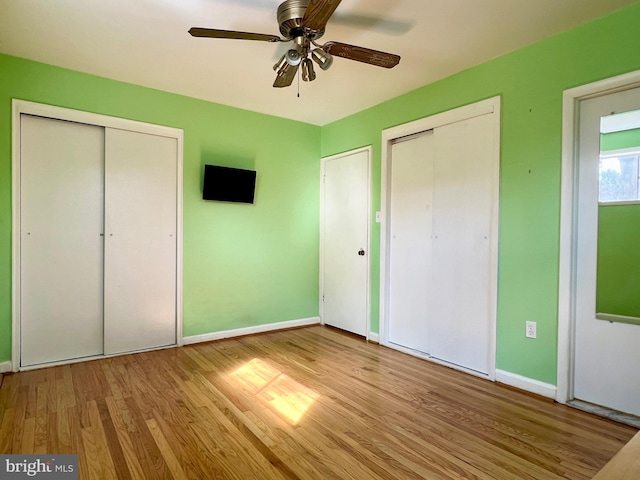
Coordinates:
(146, 42)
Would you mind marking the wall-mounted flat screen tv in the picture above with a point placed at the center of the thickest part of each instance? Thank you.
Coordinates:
(226, 184)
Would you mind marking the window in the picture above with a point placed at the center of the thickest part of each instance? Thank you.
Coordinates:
(619, 177)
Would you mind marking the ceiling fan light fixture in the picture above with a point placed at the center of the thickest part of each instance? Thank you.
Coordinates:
(281, 65)
(322, 58)
(308, 73)
(293, 57)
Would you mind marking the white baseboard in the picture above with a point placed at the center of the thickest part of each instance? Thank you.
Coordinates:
(5, 367)
(527, 384)
(374, 337)
(269, 327)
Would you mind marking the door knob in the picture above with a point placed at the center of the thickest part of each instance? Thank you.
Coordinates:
(361, 252)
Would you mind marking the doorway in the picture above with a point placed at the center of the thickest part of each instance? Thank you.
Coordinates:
(598, 329)
(344, 245)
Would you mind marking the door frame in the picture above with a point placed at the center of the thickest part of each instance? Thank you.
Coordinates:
(483, 107)
(20, 107)
(571, 100)
(323, 162)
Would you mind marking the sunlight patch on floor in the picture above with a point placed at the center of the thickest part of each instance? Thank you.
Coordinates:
(286, 396)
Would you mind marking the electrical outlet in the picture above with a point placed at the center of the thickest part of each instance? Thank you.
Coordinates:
(531, 330)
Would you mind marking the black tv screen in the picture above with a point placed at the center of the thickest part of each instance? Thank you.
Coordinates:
(226, 184)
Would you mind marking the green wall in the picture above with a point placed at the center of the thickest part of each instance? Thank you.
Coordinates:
(531, 82)
(618, 281)
(243, 265)
(620, 140)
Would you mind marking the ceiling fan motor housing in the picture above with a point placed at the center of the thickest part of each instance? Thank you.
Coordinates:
(290, 15)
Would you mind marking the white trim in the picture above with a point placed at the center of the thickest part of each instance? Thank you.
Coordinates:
(323, 162)
(5, 367)
(20, 107)
(15, 235)
(620, 122)
(619, 203)
(566, 290)
(620, 152)
(440, 120)
(79, 116)
(525, 383)
(239, 332)
(373, 337)
(484, 107)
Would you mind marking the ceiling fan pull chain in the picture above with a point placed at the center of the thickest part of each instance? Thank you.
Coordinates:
(298, 83)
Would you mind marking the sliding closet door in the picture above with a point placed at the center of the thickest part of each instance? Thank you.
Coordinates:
(140, 242)
(440, 250)
(465, 199)
(410, 249)
(61, 243)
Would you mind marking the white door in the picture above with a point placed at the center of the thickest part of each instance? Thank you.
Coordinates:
(606, 353)
(61, 243)
(345, 241)
(463, 294)
(410, 222)
(140, 241)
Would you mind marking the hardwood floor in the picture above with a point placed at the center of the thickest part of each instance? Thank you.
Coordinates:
(311, 403)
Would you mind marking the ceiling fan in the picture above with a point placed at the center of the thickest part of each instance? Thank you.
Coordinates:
(303, 22)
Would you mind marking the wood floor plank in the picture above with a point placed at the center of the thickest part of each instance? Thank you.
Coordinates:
(28, 434)
(75, 429)
(107, 451)
(303, 404)
(169, 457)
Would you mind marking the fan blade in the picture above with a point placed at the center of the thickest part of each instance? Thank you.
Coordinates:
(361, 54)
(318, 13)
(285, 79)
(232, 34)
